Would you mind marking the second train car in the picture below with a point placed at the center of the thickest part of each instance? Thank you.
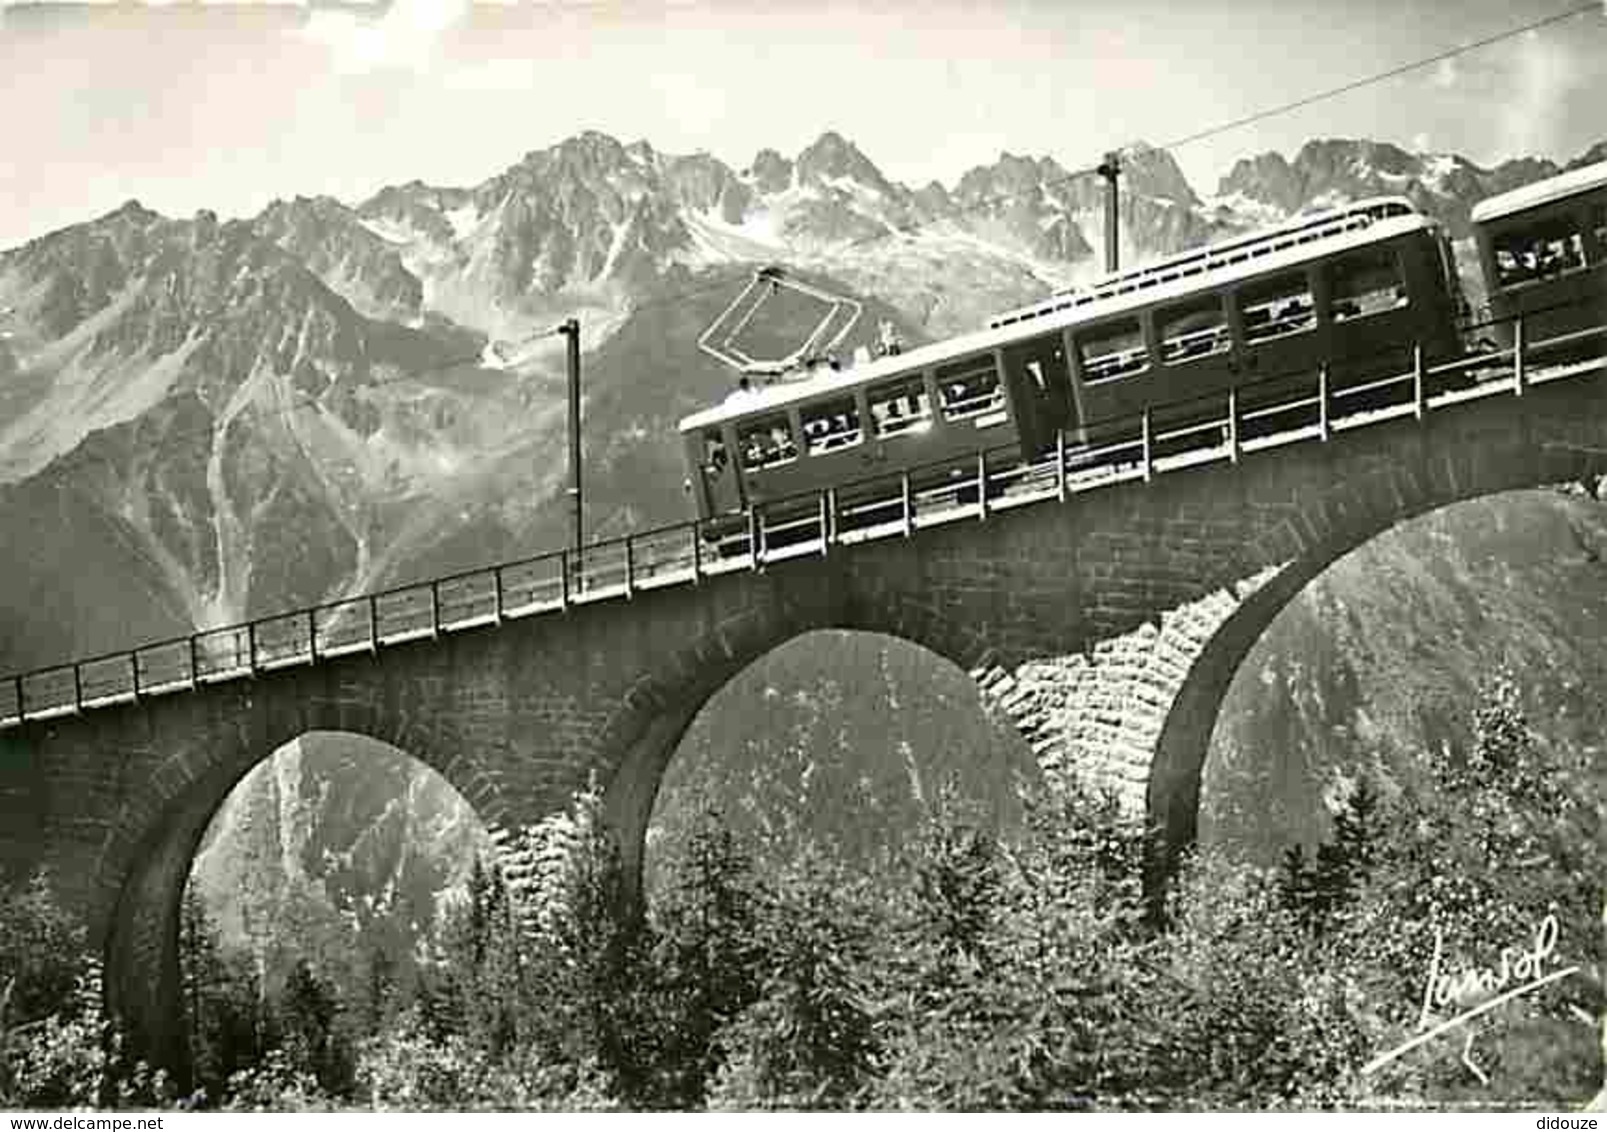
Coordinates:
(1356, 288)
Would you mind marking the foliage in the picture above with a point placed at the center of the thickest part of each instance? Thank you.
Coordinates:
(970, 971)
(707, 960)
(41, 951)
(809, 1040)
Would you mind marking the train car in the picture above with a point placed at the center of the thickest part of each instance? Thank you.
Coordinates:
(1543, 253)
(930, 404)
(1358, 287)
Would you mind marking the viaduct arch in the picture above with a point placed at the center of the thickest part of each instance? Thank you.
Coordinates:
(1107, 626)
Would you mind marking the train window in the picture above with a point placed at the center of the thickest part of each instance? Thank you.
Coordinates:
(714, 455)
(1550, 247)
(900, 406)
(1277, 306)
(969, 388)
(1194, 329)
(1366, 282)
(1598, 221)
(1113, 350)
(830, 425)
(766, 442)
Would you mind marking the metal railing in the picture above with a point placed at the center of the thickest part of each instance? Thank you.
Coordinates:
(1269, 412)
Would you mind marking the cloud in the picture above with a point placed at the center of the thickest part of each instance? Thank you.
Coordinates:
(1543, 73)
(404, 36)
(493, 76)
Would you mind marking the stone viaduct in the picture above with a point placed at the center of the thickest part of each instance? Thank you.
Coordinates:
(1139, 600)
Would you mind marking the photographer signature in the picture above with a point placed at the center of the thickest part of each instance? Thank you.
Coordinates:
(1478, 990)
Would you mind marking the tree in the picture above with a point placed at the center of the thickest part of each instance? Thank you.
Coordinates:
(42, 951)
(809, 1040)
(223, 1003)
(706, 959)
(307, 1013)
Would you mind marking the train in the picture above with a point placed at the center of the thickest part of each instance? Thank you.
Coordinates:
(1358, 290)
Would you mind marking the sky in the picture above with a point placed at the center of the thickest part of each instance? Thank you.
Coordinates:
(228, 106)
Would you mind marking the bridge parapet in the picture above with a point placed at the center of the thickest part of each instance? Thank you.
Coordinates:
(1102, 598)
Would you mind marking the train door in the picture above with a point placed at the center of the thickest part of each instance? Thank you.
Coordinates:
(722, 482)
(1038, 378)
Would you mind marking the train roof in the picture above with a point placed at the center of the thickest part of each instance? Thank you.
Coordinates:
(1541, 192)
(1175, 278)
(1354, 217)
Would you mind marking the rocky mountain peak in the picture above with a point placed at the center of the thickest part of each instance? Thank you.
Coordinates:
(1329, 171)
(1591, 156)
(833, 157)
(1155, 173)
(770, 171)
(587, 154)
(132, 211)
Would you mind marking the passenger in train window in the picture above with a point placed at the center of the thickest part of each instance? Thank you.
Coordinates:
(1538, 252)
(1192, 329)
(714, 457)
(1365, 282)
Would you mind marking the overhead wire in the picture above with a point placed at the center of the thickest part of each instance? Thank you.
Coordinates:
(890, 231)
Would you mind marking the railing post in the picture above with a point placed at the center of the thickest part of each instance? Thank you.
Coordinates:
(630, 567)
(496, 594)
(312, 636)
(1233, 425)
(373, 623)
(1149, 455)
(906, 504)
(1060, 464)
(563, 574)
(22, 710)
(754, 552)
(831, 515)
(697, 552)
(823, 520)
(1324, 428)
(195, 663)
(78, 687)
(1520, 376)
(435, 607)
(1418, 401)
(981, 485)
(251, 646)
(133, 671)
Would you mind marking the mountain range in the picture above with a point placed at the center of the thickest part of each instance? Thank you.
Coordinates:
(217, 418)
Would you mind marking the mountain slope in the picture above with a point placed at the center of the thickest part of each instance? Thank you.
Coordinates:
(210, 419)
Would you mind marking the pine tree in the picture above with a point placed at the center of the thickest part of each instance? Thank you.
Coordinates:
(810, 1040)
(307, 1014)
(706, 959)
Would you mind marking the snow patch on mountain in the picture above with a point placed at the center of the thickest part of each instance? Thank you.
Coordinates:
(463, 220)
(391, 231)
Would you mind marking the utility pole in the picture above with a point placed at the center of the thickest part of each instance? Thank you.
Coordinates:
(1110, 170)
(571, 330)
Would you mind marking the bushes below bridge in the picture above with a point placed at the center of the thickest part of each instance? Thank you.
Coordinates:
(965, 972)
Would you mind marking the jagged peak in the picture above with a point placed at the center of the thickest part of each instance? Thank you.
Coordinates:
(132, 209)
(830, 145)
(770, 171)
(320, 204)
